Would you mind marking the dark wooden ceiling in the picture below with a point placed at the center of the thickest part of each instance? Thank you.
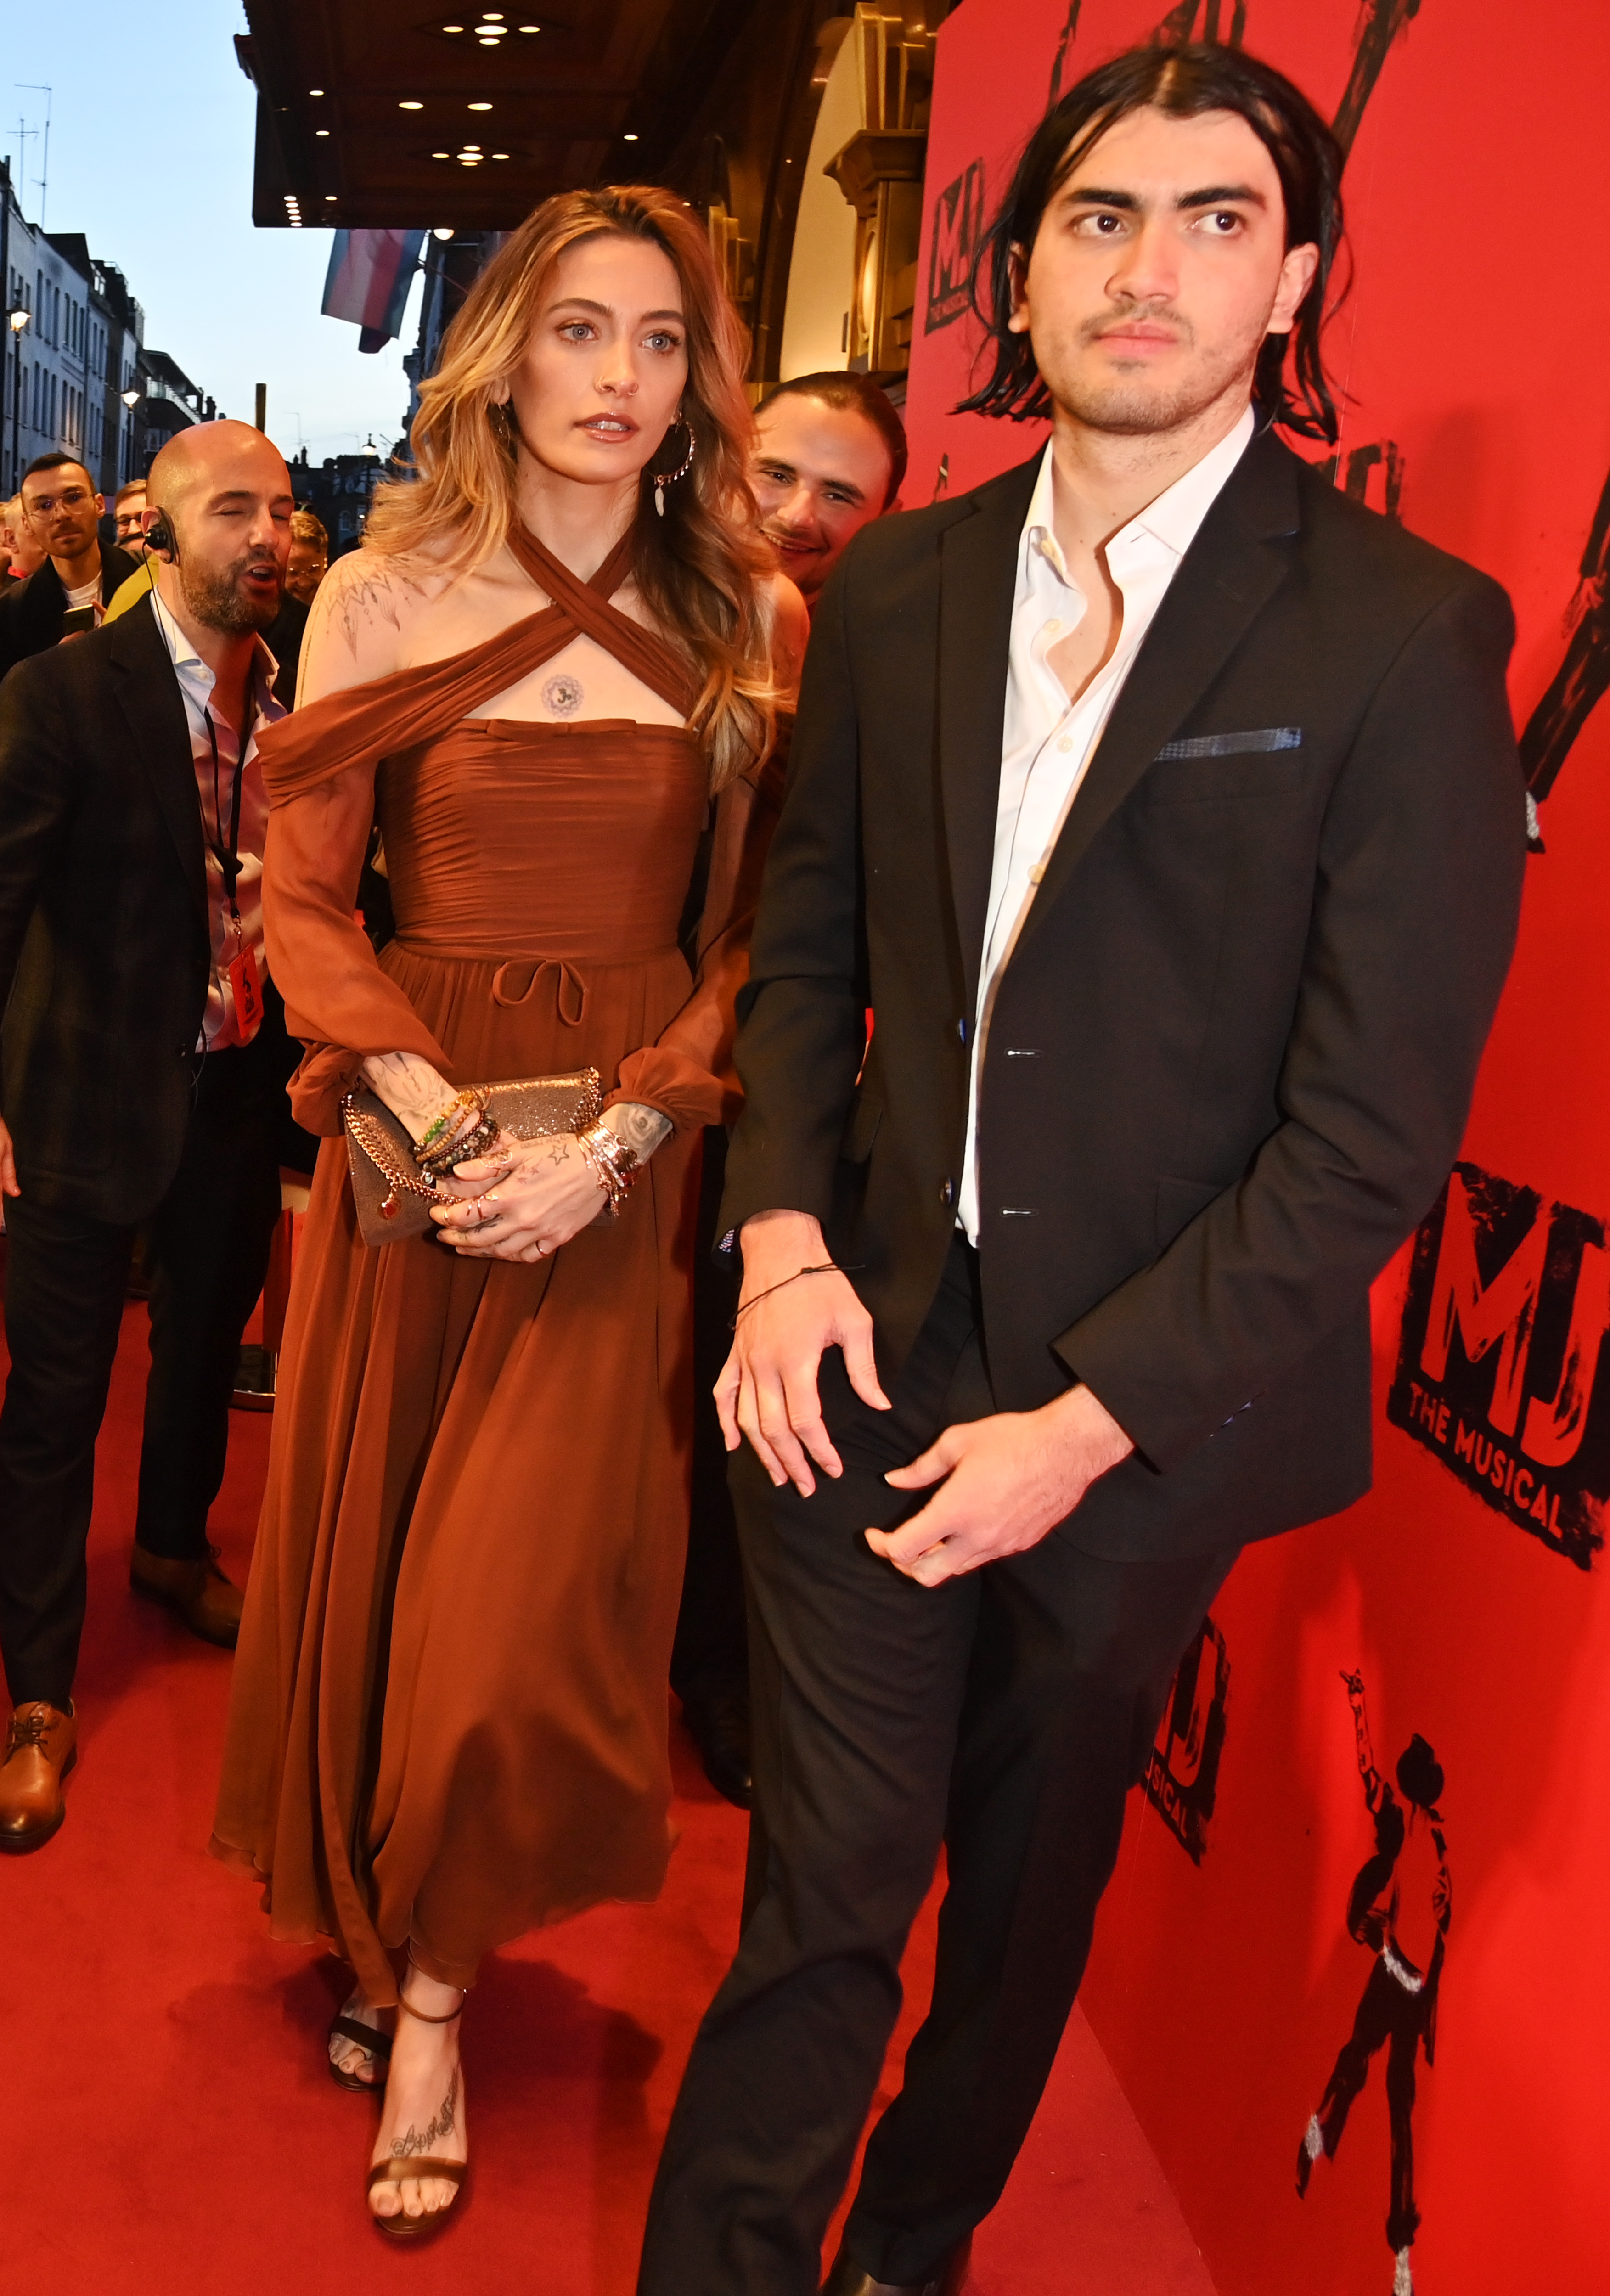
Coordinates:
(360, 100)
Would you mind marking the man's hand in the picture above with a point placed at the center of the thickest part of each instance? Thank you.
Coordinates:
(767, 1386)
(8, 1165)
(1010, 1478)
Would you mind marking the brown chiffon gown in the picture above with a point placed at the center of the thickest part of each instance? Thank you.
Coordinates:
(448, 1721)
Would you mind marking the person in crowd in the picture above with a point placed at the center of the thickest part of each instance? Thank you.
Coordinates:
(128, 518)
(78, 578)
(143, 1066)
(22, 543)
(560, 637)
(26, 553)
(309, 556)
(1163, 806)
(829, 456)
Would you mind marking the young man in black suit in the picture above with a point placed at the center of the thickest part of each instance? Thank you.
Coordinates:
(1163, 804)
(143, 1065)
(62, 512)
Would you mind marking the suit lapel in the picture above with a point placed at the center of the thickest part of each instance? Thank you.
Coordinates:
(1235, 565)
(978, 577)
(148, 694)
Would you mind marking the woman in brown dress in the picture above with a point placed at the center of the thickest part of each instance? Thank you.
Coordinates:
(448, 1717)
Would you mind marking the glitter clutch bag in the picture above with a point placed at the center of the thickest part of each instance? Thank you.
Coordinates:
(393, 1197)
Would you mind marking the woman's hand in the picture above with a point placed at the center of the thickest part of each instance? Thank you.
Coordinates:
(524, 1198)
(521, 1201)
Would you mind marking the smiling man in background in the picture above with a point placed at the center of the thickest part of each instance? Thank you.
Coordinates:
(829, 457)
(143, 1065)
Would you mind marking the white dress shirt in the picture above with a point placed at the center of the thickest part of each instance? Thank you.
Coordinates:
(1048, 742)
(221, 1026)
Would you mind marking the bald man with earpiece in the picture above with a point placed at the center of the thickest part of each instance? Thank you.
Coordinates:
(143, 1063)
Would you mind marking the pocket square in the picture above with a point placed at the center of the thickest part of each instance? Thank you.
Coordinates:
(1232, 745)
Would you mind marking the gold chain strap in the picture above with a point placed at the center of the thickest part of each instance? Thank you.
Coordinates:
(376, 1147)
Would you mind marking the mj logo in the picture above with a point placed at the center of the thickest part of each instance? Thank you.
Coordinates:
(1182, 1770)
(1500, 1358)
(958, 225)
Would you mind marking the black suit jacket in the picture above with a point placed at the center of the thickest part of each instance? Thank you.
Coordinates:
(104, 958)
(32, 612)
(1232, 1056)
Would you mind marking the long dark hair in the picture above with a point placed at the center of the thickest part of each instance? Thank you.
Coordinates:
(1182, 82)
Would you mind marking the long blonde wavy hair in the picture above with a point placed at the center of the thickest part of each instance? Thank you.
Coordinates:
(703, 569)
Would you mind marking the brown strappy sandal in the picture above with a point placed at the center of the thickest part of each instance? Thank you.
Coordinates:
(413, 2166)
(375, 2045)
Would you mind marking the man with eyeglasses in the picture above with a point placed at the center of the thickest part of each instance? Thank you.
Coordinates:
(62, 511)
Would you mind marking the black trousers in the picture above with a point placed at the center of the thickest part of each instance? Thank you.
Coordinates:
(1004, 1714)
(208, 1251)
(709, 1657)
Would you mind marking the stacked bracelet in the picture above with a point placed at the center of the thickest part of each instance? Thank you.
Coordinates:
(453, 1115)
(438, 1155)
(613, 1165)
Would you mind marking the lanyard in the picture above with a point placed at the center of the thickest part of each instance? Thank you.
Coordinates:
(227, 857)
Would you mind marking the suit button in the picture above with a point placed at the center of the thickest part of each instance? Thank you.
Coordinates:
(947, 1192)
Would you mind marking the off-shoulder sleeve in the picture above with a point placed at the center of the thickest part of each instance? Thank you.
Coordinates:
(688, 1073)
(337, 999)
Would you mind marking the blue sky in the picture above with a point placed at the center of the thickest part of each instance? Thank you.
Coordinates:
(150, 144)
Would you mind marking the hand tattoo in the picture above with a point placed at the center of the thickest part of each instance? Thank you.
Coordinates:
(419, 2140)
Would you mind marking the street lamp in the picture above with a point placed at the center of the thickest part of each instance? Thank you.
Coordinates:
(16, 319)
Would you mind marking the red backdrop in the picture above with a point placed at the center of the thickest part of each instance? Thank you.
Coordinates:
(1467, 1589)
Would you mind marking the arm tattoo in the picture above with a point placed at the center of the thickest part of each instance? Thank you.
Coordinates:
(641, 1127)
(415, 2142)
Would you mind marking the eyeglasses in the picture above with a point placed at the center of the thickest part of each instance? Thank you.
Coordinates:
(72, 498)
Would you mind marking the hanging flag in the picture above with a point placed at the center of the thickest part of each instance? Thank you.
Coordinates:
(368, 280)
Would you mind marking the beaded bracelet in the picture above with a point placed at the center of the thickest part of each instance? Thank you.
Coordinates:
(458, 1106)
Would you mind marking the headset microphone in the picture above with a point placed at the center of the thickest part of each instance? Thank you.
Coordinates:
(160, 535)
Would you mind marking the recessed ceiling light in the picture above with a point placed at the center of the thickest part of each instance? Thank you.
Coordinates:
(442, 231)
(321, 131)
(441, 155)
(491, 15)
(500, 155)
(329, 195)
(452, 28)
(530, 28)
(485, 42)
(316, 91)
(480, 107)
(406, 105)
(628, 137)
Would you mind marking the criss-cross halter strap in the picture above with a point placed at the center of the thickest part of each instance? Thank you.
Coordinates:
(411, 706)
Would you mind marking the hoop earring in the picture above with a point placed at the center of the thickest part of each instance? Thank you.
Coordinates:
(670, 476)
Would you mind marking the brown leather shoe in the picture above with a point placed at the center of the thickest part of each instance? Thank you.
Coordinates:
(208, 1603)
(948, 2278)
(41, 1746)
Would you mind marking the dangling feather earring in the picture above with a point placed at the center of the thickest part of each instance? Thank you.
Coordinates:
(670, 476)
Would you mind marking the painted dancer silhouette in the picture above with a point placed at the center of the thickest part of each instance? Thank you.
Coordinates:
(1399, 1906)
(1580, 680)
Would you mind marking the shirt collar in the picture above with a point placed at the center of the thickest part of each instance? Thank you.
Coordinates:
(1172, 520)
(189, 666)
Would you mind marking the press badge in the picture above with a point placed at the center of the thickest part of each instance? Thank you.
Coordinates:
(247, 991)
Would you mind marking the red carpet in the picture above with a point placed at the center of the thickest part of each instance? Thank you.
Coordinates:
(169, 2124)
